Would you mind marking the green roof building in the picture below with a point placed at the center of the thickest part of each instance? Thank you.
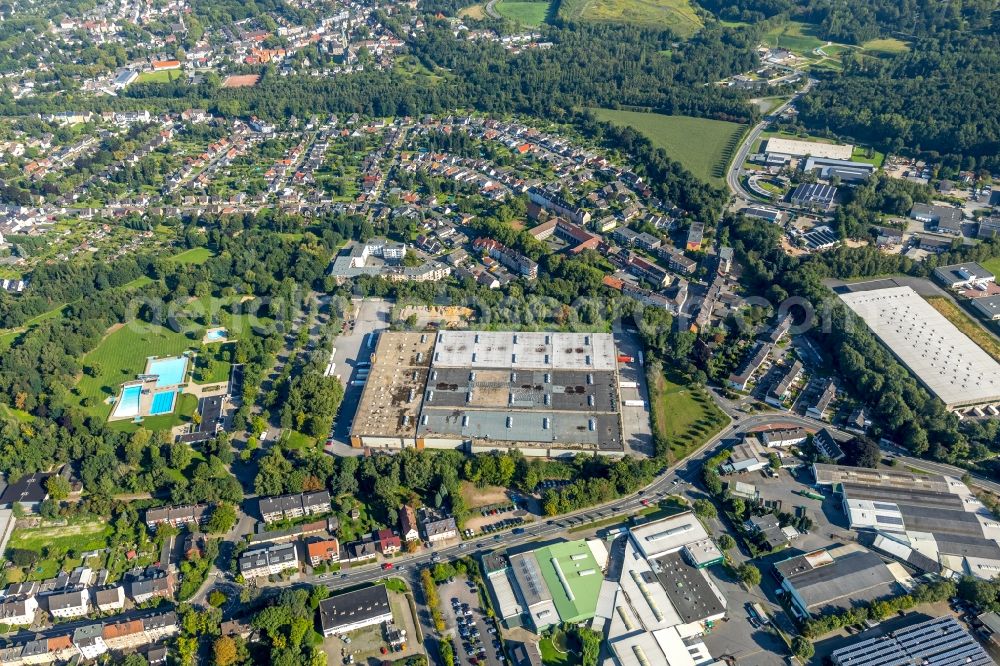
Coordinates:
(573, 576)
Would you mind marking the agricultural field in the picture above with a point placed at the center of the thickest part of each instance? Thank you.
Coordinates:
(529, 14)
(165, 76)
(685, 416)
(702, 146)
(676, 15)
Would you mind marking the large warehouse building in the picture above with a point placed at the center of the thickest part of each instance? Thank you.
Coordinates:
(927, 521)
(945, 360)
(547, 394)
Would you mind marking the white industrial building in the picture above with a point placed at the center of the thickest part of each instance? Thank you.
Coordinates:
(930, 522)
(945, 360)
(802, 148)
(662, 604)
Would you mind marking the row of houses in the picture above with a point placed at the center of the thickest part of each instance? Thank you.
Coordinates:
(91, 641)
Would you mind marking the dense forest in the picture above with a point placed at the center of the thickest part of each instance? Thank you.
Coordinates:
(857, 21)
(935, 99)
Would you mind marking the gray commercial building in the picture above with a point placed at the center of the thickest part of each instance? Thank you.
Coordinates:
(547, 394)
(819, 583)
(946, 219)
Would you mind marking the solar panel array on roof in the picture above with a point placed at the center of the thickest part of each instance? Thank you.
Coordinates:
(938, 642)
(888, 520)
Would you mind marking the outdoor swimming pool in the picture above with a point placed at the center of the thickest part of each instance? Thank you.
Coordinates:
(163, 403)
(170, 370)
(215, 334)
(128, 403)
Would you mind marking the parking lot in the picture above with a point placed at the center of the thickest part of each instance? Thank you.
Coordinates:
(353, 348)
(476, 643)
(637, 432)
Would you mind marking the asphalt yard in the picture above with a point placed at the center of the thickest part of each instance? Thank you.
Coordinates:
(468, 625)
(354, 347)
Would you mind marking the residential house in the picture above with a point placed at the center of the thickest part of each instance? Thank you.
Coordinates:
(268, 560)
(515, 261)
(361, 551)
(321, 551)
(648, 271)
(388, 542)
(110, 599)
(69, 604)
(160, 626)
(124, 634)
(695, 236)
(779, 437)
(827, 445)
(783, 388)
(18, 611)
(818, 409)
(143, 589)
(677, 261)
(294, 506)
(438, 528)
(408, 524)
(89, 640)
(176, 516)
(741, 378)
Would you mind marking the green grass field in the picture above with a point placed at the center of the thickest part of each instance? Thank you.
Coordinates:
(992, 265)
(795, 36)
(196, 255)
(526, 13)
(676, 15)
(165, 76)
(889, 46)
(558, 656)
(119, 357)
(702, 146)
(685, 416)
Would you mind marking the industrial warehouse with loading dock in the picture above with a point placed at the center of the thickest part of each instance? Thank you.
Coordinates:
(546, 394)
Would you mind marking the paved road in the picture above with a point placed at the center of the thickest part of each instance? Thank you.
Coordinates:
(491, 10)
(736, 166)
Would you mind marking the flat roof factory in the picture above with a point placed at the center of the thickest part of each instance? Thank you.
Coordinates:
(547, 394)
(945, 360)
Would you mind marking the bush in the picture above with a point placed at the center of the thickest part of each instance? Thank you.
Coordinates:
(802, 648)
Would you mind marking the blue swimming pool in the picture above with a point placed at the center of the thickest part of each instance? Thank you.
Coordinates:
(163, 403)
(170, 370)
(128, 403)
(216, 334)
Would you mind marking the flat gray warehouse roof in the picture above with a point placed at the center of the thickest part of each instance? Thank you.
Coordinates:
(945, 360)
(852, 578)
(540, 351)
(602, 431)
